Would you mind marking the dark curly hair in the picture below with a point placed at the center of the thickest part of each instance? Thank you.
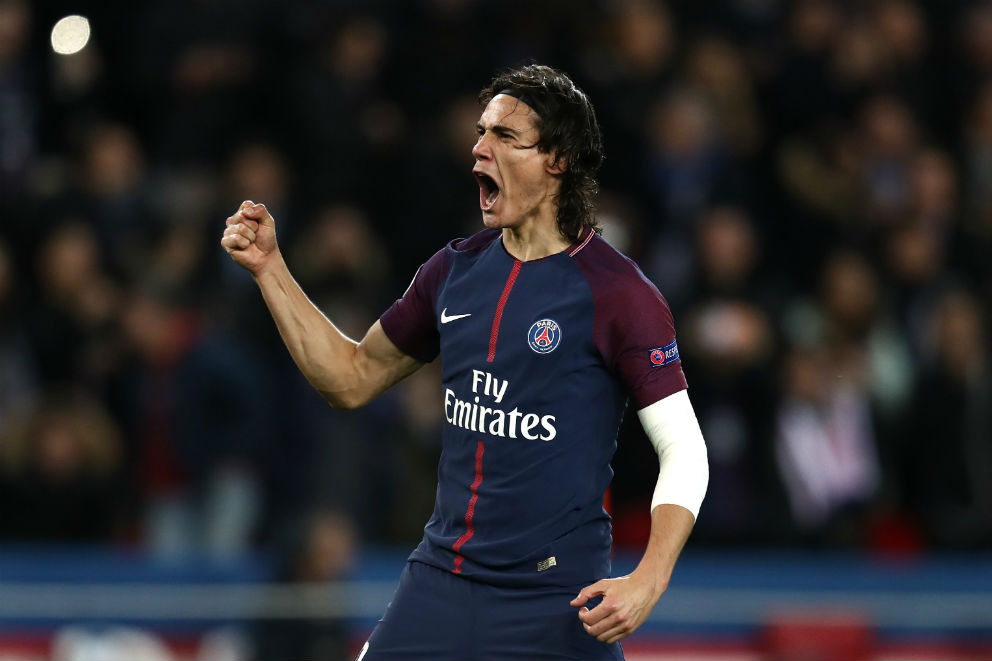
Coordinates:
(568, 127)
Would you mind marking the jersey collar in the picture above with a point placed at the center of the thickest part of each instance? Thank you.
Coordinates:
(584, 238)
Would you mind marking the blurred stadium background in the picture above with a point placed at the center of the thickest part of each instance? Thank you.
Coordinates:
(808, 182)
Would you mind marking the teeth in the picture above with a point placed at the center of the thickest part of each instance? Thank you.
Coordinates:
(492, 197)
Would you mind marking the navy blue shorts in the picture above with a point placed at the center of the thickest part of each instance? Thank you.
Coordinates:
(438, 615)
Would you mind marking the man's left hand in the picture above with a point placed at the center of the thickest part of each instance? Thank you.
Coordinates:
(627, 602)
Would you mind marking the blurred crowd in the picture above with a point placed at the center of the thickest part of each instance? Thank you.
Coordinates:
(808, 182)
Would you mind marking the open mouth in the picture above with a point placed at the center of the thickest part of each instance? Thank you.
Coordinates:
(488, 190)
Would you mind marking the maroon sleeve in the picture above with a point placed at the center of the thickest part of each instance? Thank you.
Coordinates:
(641, 348)
(634, 329)
(411, 322)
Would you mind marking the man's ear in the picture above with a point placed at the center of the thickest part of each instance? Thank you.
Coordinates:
(555, 165)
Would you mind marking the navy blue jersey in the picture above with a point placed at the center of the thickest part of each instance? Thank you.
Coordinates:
(538, 361)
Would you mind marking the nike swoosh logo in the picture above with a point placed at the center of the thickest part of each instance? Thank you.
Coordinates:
(445, 318)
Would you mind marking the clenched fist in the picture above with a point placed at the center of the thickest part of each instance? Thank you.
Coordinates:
(250, 237)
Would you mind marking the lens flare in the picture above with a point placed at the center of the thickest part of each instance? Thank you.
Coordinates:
(70, 35)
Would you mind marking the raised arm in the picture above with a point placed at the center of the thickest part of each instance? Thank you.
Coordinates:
(347, 373)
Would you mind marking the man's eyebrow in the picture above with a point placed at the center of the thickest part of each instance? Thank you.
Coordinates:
(498, 128)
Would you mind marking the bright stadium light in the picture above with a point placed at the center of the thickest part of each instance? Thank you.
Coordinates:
(70, 34)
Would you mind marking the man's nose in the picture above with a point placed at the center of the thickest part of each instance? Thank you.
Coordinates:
(482, 149)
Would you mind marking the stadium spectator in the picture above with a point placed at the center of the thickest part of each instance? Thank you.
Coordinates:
(317, 550)
(19, 379)
(19, 97)
(60, 476)
(194, 468)
(947, 485)
(729, 339)
(71, 319)
(825, 445)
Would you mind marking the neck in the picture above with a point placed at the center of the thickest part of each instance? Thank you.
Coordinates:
(534, 240)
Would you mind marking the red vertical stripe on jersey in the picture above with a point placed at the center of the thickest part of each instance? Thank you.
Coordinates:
(470, 510)
(499, 308)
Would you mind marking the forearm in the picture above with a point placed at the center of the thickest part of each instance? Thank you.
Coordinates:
(670, 528)
(628, 600)
(673, 430)
(325, 355)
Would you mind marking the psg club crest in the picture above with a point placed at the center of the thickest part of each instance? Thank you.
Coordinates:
(544, 336)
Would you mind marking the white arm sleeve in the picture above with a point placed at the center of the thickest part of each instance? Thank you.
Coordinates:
(674, 432)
